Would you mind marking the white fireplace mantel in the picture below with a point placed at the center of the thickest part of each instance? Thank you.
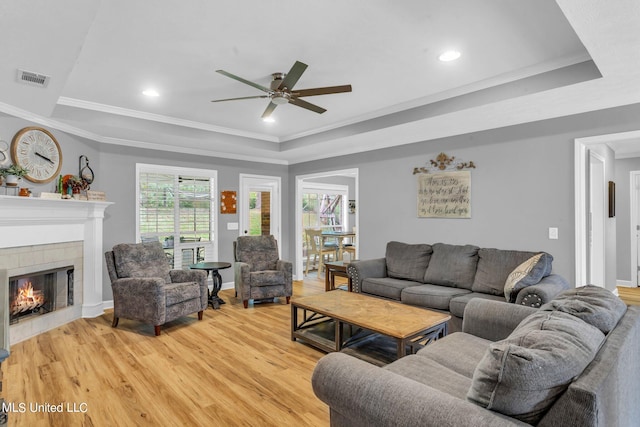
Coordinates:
(27, 221)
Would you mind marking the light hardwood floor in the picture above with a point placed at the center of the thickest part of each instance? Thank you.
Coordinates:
(631, 296)
(235, 367)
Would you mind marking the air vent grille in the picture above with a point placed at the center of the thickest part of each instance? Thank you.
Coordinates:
(33, 79)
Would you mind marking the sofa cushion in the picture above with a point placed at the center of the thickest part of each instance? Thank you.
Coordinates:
(530, 272)
(452, 265)
(180, 292)
(386, 286)
(432, 373)
(141, 260)
(494, 266)
(430, 296)
(458, 303)
(267, 278)
(522, 375)
(446, 351)
(595, 305)
(405, 261)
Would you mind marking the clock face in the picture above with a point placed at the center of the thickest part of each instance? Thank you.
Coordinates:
(37, 150)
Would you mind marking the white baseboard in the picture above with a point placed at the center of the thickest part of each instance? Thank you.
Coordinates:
(625, 283)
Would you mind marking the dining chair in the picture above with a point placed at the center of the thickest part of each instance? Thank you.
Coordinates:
(317, 249)
(350, 247)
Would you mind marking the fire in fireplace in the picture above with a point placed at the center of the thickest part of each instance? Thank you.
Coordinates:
(40, 293)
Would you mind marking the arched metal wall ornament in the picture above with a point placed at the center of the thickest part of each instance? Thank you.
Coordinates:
(444, 188)
(443, 163)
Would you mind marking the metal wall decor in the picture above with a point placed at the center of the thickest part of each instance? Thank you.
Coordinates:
(442, 163)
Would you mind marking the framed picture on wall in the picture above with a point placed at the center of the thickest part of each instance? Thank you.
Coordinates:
(612, 199)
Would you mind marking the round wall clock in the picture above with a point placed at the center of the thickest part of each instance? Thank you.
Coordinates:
(37, 150)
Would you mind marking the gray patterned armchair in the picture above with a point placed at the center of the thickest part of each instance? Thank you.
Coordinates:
(146, 289)
(259, 273)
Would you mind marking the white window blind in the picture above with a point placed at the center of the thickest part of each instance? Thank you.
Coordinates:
(177, 209)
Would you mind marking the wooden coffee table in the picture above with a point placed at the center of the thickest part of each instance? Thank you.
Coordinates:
(336, 320)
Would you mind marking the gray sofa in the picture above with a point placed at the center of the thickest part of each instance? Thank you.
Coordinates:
(446, 277)
(571, 363)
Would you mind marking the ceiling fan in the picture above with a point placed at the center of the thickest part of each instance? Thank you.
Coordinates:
(281, 90)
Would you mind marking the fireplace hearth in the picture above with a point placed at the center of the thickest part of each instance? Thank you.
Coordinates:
(41, 292)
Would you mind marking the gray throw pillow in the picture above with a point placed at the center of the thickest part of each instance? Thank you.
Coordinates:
(523, 375)
(595, 305)
(526, 274)
(407, 261)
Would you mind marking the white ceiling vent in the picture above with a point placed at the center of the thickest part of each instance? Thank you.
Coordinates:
(33, 79)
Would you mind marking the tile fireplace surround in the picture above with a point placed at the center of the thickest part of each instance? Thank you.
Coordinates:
(38, 234)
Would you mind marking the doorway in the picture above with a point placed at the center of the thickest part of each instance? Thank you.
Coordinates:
(621, 145)
(259, 205)
(329, 177)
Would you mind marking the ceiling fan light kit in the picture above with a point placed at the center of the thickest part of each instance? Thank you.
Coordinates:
(281, 90)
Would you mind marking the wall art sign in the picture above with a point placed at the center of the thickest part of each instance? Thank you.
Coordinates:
(444, 195)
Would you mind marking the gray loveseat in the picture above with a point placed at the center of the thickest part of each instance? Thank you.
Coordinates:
(571, 363)
(446, 277)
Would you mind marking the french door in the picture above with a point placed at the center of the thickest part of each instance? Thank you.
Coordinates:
(260, 206)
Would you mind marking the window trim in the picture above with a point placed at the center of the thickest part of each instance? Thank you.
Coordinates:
(178, 170)
(340, 189)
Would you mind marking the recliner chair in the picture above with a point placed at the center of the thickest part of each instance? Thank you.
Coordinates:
(258, 271)
(146, 289)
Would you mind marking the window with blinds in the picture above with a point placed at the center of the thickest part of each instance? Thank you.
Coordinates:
(176, 208)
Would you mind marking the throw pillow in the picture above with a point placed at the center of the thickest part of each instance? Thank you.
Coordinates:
(526, 274)
(523, 375)
(595, 305)
(405, 261)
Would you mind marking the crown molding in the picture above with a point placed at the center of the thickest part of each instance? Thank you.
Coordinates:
(110, 109)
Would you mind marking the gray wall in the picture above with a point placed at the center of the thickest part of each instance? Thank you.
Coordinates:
(71, 146)
(523, 184)
(117, 179)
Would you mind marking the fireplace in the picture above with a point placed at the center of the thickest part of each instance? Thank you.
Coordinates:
(41, 235)
(41, 292)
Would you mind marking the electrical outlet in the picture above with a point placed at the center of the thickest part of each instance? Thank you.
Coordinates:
(553, 233)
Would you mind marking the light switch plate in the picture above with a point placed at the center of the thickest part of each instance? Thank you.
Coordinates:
(232, 226)
(553, 233)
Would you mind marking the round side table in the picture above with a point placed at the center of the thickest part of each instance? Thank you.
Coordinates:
(213, 267)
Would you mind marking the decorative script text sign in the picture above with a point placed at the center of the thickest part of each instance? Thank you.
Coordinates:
(444, 195)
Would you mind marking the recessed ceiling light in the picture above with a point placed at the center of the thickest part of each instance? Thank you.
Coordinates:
(150, 92)
(450, 55)
(269, 120)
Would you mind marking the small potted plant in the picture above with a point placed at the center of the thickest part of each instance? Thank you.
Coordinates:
(13, 173)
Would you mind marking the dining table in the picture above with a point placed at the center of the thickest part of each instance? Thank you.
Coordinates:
(339, 236)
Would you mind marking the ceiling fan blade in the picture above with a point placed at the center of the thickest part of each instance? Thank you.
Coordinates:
(322, 90)
(293, 76)
(244, 97)
(245, 81)
(307, 105)
(269, 110)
